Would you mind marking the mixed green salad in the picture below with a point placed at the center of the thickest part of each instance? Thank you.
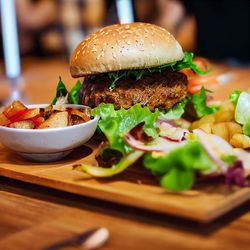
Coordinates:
(176, 156)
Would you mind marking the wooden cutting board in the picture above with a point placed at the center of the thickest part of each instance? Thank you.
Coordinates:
(135, 187)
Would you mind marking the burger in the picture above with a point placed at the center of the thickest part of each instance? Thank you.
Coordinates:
(128, 64)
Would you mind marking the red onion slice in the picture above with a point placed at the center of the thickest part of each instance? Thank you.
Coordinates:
(157, 145)
(215, 146)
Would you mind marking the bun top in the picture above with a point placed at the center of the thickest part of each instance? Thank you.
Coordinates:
(123, 47)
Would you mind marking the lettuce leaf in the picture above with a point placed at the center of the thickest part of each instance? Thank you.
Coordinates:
(198, 101)
(234, 96)
(115, 124)
(186, 62)
(177, 169)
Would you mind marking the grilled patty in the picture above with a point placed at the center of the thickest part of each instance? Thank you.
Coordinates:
(159, 90)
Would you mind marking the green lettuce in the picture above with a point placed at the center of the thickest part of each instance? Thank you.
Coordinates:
(176, 111)
(198, 101)
(177, 169)
(186, 62)
(115, 124)
(234, 96)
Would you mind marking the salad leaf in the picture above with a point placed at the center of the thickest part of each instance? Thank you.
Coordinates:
(73, 97)
(178, 179)
(60, 91)
(176, 111)
(199, 103)
(115, 124)
(242, 109)
(186, 62)
(177, 169)
(234, 96)
(246, 128)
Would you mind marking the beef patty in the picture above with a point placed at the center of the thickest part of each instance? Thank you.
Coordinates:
(159, 90)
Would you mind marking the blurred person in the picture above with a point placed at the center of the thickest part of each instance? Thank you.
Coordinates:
(172, 15)
(56, 26)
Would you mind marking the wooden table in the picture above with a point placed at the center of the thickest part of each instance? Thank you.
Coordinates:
(32, 217)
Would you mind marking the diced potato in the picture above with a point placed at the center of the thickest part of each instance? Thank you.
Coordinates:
(4, 120)
(79, 113)
(23, 125)
(40, 119)
(56, 120)
(240, 141)
(206, 128)
(233, 128)
(15, 107)
(221, 130)
(30, 113)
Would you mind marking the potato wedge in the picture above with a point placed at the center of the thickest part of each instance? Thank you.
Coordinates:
(4, 121)
(15, 107)
(240, 141)
(221, 130)
(23, 124)
(56, 120)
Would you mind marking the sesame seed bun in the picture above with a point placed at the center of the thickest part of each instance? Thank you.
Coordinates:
(122, 47)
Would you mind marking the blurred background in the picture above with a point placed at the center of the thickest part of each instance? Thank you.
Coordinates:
(48, 31)
(214, 29)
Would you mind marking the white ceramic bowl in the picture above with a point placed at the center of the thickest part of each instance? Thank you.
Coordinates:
(47, 144)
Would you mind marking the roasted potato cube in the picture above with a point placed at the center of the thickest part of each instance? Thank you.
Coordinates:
(79, 113)
(15, 107)
(240, 141)
(31, 113)
(23, 124)
(4, 121)
(221, 130)
(56, 120)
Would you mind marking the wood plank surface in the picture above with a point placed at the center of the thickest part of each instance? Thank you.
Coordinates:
(33, 218)
(135, 187)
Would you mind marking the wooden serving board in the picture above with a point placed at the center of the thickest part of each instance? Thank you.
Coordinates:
(135, 187)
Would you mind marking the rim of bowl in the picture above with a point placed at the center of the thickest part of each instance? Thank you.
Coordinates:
(22, 130)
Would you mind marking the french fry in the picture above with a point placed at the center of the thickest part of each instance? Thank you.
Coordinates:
(207, 128)
(233, 128)
(240, 141)
(221, 130)
(224, 116)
